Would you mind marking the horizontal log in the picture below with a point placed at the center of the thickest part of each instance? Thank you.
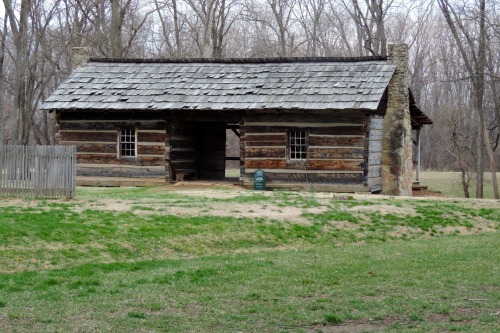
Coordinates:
(265, 140)
(323, 130)
(151, 150)
(112, 125)
(336, 153)
(183, 155)
(315, 123)
(301, 171)
(279, 152)
(90, 147)
(266, 164)
(145, 172)
(88, 136)
(334, 178)
(356, 165)
(338, 117)
(320, 187)
(333, 130)
(336, 141)
(150, 137)
(113, 159)
(182, 165)
(338, 165)
(341, 130)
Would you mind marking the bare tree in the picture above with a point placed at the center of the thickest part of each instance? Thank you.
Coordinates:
(474, 61)
(165, 9)
(3, 39)
(310, 14)
(20, 29)
(461, 133)
(213, 21)
(370, 22)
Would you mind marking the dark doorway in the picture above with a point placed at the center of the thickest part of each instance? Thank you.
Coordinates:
(204, 151)
(211, 151)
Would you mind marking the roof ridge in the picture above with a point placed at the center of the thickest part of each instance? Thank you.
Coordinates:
(243, 60)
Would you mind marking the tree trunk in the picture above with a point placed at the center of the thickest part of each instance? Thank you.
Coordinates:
(177, 31)
(20, 36)
(465, 182)
(3, 138)
(475, 65)
(115, 32)
(493, 162)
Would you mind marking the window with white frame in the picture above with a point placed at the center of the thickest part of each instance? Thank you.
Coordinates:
(297, 145)
(127, 142)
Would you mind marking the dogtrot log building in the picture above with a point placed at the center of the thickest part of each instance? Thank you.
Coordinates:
(339, 124)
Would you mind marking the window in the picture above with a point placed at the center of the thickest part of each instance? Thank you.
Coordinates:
(127, 142)
(297, 142)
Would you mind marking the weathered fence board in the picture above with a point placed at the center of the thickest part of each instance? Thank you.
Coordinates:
(38, 171)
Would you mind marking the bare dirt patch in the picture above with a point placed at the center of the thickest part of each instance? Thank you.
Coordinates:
(353, 327)
(427, 193)
(236, 210)
(385, 209)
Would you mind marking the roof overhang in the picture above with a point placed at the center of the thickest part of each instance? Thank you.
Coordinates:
(418, 117)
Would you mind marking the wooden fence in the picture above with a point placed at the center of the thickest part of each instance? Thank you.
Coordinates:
(38, 171)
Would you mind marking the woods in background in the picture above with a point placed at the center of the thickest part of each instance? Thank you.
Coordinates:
(454, 55)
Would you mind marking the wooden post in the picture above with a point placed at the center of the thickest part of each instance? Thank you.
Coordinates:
(418, 157)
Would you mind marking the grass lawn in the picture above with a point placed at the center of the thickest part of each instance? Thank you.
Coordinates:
(449, 183)
(155, 260)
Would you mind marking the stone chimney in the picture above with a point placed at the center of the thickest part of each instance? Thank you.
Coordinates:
(397, 164)
(80, 56)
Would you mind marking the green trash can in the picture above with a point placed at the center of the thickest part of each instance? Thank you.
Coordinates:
(259, 180)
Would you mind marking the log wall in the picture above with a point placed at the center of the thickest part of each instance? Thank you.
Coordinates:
(96, 138)
(181, 149)
(375, 153)
(337, 151)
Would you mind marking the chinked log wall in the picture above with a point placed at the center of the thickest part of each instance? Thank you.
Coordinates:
(181, 148)
(96, 138)
(337, 152)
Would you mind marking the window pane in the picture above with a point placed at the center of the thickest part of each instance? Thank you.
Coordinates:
(297, 145)
(127, 142)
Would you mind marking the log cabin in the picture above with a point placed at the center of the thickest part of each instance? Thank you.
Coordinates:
(338, 124)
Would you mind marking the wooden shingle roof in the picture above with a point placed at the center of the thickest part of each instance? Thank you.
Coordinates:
(294, 83)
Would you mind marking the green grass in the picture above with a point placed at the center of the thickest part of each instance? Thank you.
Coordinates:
(421, 286)
(449, 183)
(127, 260)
